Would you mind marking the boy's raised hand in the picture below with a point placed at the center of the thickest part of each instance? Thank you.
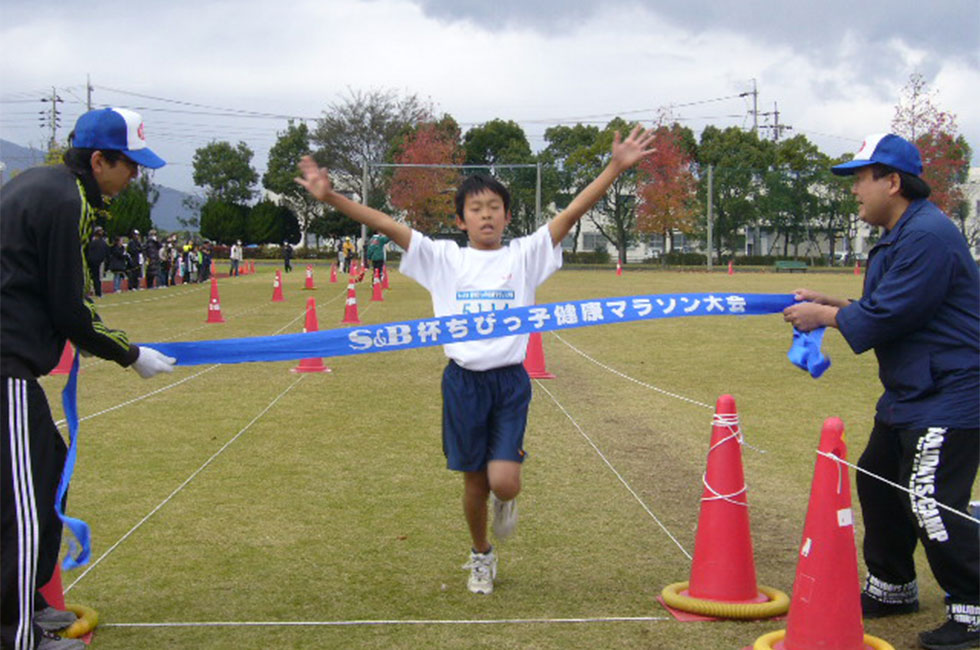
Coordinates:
(315, 179)
(636, 146)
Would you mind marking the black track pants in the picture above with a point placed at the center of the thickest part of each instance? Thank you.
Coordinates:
(33, 456)
(938, 465)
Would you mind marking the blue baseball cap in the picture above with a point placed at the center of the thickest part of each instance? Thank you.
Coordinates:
(116, 129)
(886, 149)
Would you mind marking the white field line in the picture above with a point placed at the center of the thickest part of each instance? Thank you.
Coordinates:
(613, 469)
(368, 622)
(185, 483)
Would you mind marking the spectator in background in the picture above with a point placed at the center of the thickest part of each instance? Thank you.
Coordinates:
(117, 263)
(376, 253)
(349, 252)
(235, 254)
(151, 252)
(287, 256)
(204, 272)
(189, 258)
(95, 256)
(134, 268)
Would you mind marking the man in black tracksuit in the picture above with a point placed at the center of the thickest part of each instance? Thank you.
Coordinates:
(920, 313)
(46, 213)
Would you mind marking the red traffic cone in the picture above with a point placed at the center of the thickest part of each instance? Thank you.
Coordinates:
(314, 364)
(384, 277)
(619, 267)
(333, 273)
(243, 268)
(309, 277)
(251, 267)
(826, 607)
(723, 582)
(277, 287)
(534, 359)
(723, 566)
(377, 294)
(350, 309)
(88, 618)
(214, 306)
(731, 268)
(857, 267)
(64, 364)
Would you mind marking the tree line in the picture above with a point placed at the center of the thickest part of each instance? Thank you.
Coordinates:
(784, 187)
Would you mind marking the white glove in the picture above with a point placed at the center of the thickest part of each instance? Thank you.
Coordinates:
(151, 362)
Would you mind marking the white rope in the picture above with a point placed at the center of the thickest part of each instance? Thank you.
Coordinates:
(494, 621)
(184, 484)
(628, 378)
(61, 423)
(841, 461)
(613, 469)
(730, 422)
(161, 296)
(646, 385)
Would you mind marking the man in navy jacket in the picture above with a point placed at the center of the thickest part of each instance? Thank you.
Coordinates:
(920, 313)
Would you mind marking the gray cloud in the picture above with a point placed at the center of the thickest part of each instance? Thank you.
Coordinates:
(943, 28)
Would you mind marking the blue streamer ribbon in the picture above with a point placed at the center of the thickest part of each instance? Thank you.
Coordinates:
(805, 351)
(79, 551)
(444, 330)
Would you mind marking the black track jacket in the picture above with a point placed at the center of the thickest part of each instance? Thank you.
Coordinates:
(44, 218)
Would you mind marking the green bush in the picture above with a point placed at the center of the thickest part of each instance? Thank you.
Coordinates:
(586, 257)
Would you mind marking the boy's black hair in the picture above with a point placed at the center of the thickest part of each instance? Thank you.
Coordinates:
(476, 183)
(912, 187)
(79, 161)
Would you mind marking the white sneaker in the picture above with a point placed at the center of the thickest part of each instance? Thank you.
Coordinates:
(483, 571)
(504, 517)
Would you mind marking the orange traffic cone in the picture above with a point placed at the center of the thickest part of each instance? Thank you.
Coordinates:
(243, 268)
(314, 364)
(619, 267)
(277, 287)
(384, 277)
(214, 306)
(723, 582)
(64, 364)
(826, 607)
(309, 277)
(251, 267)
(534, 359)
(857, 267)
(377, 295)
(333, 273)
(350, 309)
(731, 268)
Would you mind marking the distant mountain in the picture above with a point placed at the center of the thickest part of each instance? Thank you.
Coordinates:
(166, 212)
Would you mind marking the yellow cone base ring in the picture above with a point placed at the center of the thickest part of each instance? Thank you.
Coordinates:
(777, 604)
(88, 618)
(768, 641)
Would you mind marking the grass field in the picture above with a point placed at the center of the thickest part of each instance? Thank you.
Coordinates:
(247, 494)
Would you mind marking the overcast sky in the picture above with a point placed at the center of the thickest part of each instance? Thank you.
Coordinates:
(835, 69)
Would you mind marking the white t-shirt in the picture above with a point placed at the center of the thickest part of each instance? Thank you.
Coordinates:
(467, 281)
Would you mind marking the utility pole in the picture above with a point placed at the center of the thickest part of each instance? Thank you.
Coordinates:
(88, 91)
(776, 128)
(755, 106)
(711, 243)
(53, 117)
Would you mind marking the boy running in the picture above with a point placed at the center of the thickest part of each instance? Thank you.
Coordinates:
(485, 389)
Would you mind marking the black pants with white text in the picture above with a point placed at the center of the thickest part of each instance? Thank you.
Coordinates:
(938, 465)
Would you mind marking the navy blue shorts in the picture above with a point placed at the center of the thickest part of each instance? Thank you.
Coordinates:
(484, 415)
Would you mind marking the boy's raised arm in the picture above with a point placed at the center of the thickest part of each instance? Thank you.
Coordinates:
(625, 154)
(316, 180)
